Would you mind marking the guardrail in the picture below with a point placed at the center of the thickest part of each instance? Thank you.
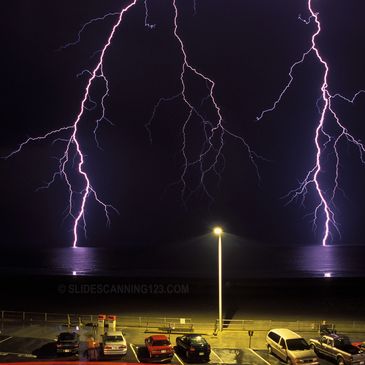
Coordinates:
(167, 324)
(177, 325)
(240, 325)
(170, 327)
(265, 325)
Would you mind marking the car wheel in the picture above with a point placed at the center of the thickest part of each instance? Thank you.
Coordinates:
(269, 349)
(340, 361)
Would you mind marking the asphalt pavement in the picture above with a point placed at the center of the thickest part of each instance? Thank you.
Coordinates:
(37, 342)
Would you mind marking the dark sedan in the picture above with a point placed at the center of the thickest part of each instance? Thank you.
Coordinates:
(194, 347)
(68, 343)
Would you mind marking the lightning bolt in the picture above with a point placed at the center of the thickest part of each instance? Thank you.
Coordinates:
(323, 139)
(73, 154)
(85, 26)
(195, 7)
(146, 22)
(210, 160)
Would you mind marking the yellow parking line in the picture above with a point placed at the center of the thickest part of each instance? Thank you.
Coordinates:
(180, 361)
(219, 358)
(254, 352)
(134, 351)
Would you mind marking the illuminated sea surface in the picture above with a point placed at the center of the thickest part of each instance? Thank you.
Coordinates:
(188, 260)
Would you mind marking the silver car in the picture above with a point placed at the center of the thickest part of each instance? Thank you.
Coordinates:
(114, 343)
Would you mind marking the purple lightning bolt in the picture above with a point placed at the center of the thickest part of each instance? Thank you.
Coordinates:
(73, 153)
(210, 159)
(322, 138)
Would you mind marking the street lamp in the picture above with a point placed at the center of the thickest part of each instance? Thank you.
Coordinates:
(218, 231)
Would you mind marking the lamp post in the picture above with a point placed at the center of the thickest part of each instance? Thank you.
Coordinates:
(218, 232)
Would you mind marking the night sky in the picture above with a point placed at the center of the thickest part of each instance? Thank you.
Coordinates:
(247, 48)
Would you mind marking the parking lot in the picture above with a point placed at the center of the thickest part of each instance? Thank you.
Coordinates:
(37, 342)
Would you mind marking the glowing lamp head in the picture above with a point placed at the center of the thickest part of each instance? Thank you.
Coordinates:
(218, 231)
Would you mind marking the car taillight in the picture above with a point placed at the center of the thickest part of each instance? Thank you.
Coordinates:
(192, 349)
(107, 347)
(123, 347)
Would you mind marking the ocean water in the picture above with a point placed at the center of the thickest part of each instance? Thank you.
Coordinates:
(187, 260)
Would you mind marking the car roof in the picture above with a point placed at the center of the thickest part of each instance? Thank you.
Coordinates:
(285, 332)
(158, 337)
(195, 337)
(63, 335)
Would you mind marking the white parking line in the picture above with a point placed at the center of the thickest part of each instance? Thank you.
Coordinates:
(24, 355)
(219, 358)
(254, 352)
(17, 354)
(180, 361)
(134, 351)
(8, 338)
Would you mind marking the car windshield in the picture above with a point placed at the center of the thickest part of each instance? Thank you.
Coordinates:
(114, 338)
(66, 337)
(297, 344)
(160, 343)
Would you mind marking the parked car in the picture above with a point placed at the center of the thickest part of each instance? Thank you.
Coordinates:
(68, 343)
(338, 348)
(194, 347)
(113, 343)
(360, 345)
(290, 347)
(159, 347)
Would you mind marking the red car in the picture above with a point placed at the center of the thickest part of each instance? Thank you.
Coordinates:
(159, 347)
(360, 345)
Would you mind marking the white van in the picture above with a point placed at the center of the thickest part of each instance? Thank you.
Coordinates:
(290, 347)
